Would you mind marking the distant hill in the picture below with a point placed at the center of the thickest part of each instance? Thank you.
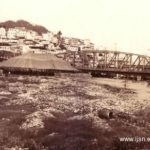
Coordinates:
(22, 23)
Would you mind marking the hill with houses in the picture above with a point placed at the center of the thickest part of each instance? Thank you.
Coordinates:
(23, 36)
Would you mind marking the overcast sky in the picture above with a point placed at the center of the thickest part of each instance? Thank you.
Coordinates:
(117, 24)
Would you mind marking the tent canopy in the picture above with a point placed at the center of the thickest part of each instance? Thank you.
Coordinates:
(35, 61)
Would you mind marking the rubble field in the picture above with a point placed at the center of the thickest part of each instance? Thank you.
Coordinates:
(72, 112)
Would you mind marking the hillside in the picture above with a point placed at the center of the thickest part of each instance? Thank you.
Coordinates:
(22, 23)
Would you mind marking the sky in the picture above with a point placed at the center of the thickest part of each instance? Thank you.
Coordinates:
(122, 25)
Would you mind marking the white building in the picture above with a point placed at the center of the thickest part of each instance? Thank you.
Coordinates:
(5, 47)
(48, 36)
(11, 33)
(66, 40)
(2, 32)
(38, 37)
(86, 42)
(21, 32)
(31, 35)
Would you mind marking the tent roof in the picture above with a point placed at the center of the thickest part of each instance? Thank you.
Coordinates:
(38, 62)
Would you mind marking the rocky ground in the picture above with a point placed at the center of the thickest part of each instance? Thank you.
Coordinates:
(72, 112)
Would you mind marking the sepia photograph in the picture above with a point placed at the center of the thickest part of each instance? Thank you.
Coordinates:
(74, 74)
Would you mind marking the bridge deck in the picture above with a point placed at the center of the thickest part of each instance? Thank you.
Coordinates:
(116, 71)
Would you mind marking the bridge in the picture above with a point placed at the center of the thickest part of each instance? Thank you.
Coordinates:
(109, 62)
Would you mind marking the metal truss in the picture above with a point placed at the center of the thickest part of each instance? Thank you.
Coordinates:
(109, 61)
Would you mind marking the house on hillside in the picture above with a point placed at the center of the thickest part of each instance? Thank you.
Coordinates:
(4, 46)
(11, 33)
(2, 32)
(74, 44)
(47, 36)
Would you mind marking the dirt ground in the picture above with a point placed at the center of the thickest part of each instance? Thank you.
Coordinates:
(73, 112)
